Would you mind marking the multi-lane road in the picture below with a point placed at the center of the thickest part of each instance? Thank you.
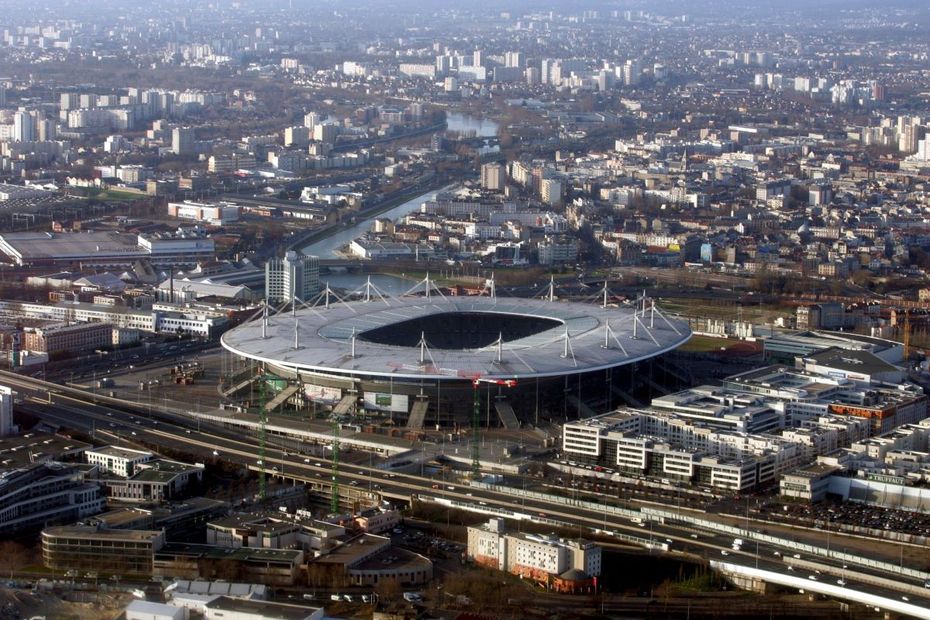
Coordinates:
(112, 420)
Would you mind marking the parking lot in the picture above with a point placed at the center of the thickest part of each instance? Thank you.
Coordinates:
(836, 514)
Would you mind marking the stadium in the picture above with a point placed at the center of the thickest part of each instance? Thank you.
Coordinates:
(418, 359)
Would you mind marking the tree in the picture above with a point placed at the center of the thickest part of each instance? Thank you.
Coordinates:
(14, 556)
(388, 590)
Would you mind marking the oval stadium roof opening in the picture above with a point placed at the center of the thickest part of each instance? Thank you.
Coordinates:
(459, 330)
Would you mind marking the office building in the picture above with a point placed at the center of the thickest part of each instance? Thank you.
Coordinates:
(295, 276)
(367, 559)
(156, 480)
(58, 338)
(91, 548)
(217, 214)
(117, 460)
(277, 567)
(36, 494)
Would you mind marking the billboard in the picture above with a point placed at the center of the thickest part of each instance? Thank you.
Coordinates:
(323, 394)
(381, 401)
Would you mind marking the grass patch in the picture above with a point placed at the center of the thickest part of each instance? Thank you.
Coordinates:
(112, 194)
(706, 344)
(725, 309)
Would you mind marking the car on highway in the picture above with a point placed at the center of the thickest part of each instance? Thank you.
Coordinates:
(841, 582)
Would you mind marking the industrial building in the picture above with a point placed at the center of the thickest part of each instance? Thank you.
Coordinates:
(105, 250)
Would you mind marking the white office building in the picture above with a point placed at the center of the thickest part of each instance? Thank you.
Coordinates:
(294, 276)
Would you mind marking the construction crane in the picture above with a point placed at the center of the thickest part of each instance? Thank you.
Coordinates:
(262, 423)
(476, 420)
(334, 495)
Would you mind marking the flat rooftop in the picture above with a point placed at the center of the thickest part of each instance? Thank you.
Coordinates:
(167, 466)
(92, 533)
(393, 558)
(121, 453)
(261, 609)
(258, 522)
(16, 451)
(33, 246)
(349, 553)
(815, 470)
(241, 554)
(121, 517)
(852, 361)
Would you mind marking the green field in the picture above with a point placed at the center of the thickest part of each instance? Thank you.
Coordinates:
(113, 194)
(725, 309)
(706, 344)
(106, 195)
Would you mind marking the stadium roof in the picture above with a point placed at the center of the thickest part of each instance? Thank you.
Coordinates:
(567, 338)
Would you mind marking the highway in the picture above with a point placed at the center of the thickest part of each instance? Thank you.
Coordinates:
(74, 408)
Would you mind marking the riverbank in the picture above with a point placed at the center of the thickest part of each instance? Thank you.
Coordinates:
(326, 243)
(301, 242)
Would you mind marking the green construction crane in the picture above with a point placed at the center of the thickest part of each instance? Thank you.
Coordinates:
(262, 422)
(476, 420)
(475, 430)
(334, 496)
